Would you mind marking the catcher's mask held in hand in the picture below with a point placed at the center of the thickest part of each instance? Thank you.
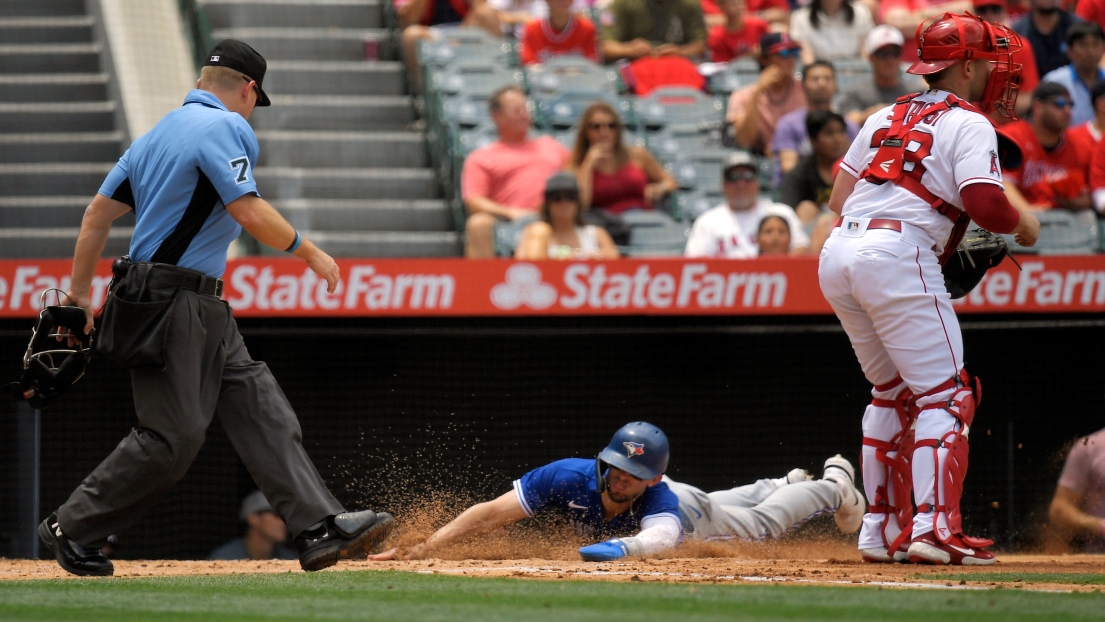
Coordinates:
(51, 365)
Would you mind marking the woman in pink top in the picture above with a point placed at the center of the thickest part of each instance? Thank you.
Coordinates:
(612, 176)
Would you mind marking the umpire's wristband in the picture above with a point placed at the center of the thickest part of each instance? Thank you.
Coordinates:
(295, 243)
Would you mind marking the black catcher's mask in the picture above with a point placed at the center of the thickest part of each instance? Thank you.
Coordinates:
(51, 365)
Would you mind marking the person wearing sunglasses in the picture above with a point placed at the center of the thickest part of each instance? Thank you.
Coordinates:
(731, 229)
(1056, 165)
(1045, 28)
(755, 110)
(615, 177)
(561, 232)
(1085, 47)
(884, 46)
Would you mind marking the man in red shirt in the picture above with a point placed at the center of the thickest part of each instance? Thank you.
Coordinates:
(561, 33)
(1055, 169)
(739, 36)
(505, 181)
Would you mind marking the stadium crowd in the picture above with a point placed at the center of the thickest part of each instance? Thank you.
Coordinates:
(792, 54)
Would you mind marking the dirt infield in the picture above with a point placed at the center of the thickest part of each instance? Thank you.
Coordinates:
(826, 563)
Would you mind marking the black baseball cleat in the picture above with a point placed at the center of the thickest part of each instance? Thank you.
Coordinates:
(73, 557)
(347, 535)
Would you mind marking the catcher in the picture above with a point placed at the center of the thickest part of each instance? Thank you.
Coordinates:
(624, 500)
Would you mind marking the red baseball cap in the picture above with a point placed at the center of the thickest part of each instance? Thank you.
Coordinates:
(775, 42)
(981, 3)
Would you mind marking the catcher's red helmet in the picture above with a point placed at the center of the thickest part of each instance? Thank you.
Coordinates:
(954, 38)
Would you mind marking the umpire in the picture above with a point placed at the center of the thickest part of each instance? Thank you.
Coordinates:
(190, 184)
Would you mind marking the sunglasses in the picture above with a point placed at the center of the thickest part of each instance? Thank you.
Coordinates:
(600, 126)
(1061, 102)
(788, 53)
(989, 8)
(561, 195)
(744, 175)
(890, 51)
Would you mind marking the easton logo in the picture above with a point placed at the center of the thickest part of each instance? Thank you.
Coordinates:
(634, 449)
(885, 166)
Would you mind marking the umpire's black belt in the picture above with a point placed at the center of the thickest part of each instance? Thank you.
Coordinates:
(162, 275)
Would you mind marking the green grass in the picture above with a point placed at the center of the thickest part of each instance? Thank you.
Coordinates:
(413, 597)
(1076, 578)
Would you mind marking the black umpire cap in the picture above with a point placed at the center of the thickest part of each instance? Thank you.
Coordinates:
(241, 57)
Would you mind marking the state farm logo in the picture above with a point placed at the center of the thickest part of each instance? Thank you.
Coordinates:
(523, 286)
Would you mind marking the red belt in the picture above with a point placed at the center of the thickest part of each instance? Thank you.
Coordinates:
(877, 223)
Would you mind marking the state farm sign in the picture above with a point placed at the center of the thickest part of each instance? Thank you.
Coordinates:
(264, 287)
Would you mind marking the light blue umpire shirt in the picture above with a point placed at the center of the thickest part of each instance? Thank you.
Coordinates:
(179, 177)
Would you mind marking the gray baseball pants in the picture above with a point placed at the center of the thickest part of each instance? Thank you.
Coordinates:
(208, 370)
(758, 511)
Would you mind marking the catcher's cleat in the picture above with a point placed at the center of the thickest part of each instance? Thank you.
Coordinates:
(849, 516)
(349, 535)
(926, 549)
(880, 555)
(72, 556)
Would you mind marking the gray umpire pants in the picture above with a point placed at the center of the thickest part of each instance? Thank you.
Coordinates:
(208, 369)
(757, 511)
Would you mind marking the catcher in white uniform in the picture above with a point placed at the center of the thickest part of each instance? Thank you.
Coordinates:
(916, 175)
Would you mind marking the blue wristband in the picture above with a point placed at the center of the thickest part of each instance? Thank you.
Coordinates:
(295, 243)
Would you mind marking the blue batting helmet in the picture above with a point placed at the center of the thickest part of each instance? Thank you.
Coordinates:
(638, 448)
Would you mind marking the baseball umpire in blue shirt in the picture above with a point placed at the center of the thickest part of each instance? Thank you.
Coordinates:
(190, 184)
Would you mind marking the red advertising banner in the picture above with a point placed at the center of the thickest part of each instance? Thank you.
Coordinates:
(285, 287)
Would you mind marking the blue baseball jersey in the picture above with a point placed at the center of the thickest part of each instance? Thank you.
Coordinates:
(569, 489)
(178, 178)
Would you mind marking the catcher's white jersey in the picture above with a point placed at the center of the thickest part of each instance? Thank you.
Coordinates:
(952, 149)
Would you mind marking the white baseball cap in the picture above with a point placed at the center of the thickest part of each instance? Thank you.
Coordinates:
(882, 36)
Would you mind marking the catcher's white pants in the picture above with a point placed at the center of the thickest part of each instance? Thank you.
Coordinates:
(758, 511)
(887, 289)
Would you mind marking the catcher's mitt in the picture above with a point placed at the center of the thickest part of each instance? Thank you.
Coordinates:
(979, 251)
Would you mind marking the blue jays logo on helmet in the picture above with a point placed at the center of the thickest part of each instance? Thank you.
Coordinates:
(638, 448)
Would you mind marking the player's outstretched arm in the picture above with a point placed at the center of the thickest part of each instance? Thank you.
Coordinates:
(1066, 513)
(478, 519)
(266, 224)
(658, 534)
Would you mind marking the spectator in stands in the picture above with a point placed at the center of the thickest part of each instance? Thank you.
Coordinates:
(807, 187)
(792, 141)
(1078, 507)
(755, 110)
(509, 17)
(417, 19)
(731, 229)
(561, 33)
(614, 177)
(1045, 28)
(561, 233)
(906, 15)
(773, 236)
(1091, 11)
(884, 51)
(775, 12)
(831, 29)
(633, 29)
(1085, 47)
(1055, 170)
(995, 11)
(504, 181)
(265, 533)
(1090, 132)
(739, 36)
